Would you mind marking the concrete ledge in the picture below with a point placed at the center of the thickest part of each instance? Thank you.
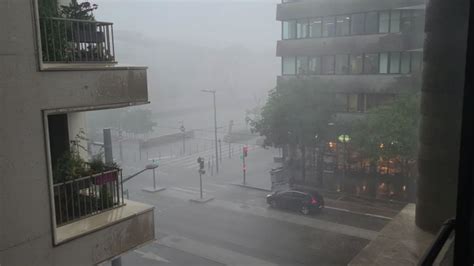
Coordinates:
(251, 187)
(153, 190)
(203, 200)
(400, 242)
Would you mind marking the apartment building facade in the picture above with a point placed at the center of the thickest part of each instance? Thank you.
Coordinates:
(370, 50)
(53, 69)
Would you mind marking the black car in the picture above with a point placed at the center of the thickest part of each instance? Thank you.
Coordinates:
(303, 202)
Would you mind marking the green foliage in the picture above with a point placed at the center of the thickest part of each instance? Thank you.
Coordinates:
(48, 8)
(138, 121)
(77, 10)
(390, 131)
(297, 112)
(69, 167)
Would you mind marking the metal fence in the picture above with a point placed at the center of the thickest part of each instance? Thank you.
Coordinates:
(86, 196)
(76, 41)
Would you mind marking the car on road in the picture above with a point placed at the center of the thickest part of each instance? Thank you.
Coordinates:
(303, 202)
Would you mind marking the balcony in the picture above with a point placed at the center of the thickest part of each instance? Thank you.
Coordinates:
(76, 41)
(71, 45)
(87, 196)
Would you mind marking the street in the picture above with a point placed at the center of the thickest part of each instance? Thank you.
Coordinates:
(237, 227)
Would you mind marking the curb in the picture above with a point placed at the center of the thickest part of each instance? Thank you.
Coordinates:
(252, 187)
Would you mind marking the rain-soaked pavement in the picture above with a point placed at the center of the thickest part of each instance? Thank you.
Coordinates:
(237, 227)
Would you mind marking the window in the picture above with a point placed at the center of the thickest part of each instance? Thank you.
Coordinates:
(395, 21)
(383, 63)
(289, 66)
(357, 23)
(384, 22)
(406, 20)
(371, 23)
(328, 64)
(315, 65)
(405, 63)
(302, 29)
(289, 30)
(394, 62)
(416, 62)
(329, 26)
(343, 25)
(375, 100)
(355, 103)
(315, 27)
(342, 64)
(302, 65)
(371, 63)
(356, 64)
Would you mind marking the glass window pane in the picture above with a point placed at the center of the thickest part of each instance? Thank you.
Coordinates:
(315, 27)
(395, 21)
(289, 29)
(395, 62)
(405, 65)
(301, 29)
(383, 64)
(406, 20)
(328, 64)
(352, 101)
(416, 61)
(343, 25)
(384, 22)
(342, 64)
(315, 65)
(371, 22)
(289, 65)
(329, 26)
(371, 63)
(357, 24)
(356, 64)
(302, 65)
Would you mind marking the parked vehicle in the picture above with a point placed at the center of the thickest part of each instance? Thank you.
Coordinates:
(303, 202)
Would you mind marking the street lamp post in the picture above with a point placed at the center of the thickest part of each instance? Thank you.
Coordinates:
(215, 126)
(344, 139)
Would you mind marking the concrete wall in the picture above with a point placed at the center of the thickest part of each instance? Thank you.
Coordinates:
(25, 215)
(316, 8)
(349, 44)
(77, 124)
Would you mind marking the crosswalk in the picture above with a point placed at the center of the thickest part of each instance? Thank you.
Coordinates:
(190, 161)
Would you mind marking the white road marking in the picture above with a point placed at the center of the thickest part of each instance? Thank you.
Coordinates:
(222, 255)
(151, 256)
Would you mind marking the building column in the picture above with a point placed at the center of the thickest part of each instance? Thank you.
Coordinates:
(441, 108)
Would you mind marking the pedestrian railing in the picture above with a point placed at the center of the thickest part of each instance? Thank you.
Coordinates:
(87, 196)
(76, 41)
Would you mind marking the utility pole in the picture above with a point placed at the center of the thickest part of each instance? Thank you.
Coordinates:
(244, 166)
(215, 126)
(183, 130)
(220, 150)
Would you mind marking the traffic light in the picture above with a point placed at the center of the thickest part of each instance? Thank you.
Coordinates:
(245, 151)
(200, 160)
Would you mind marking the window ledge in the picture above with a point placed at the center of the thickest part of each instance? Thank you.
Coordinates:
(100, 221)
(400, 242)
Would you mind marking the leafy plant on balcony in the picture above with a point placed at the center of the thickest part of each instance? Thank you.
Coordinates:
(66, 41)
(73, 198)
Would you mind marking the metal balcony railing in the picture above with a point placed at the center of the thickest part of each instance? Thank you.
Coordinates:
(87, 196)
(76, 41)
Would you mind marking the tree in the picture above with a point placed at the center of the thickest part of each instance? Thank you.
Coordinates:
(297, 113)
(138, 121)
(390, 132)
